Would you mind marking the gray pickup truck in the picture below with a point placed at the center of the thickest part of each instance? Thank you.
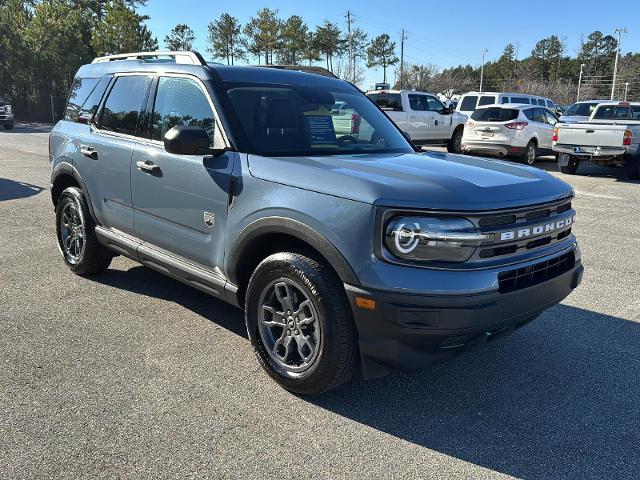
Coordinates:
(6, 113)
(345, 251)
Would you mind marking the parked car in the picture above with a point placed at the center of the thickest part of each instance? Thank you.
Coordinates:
(580, 111)
(611, 137)
(6, 113)
(510, 129)
(422, 116)
(342, 253)
(472, 100)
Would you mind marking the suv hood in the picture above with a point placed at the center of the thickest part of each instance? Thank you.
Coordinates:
(428, 180)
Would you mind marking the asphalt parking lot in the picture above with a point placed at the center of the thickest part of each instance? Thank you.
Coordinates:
(131, 374)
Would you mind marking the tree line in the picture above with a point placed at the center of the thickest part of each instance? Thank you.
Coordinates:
(44, 42)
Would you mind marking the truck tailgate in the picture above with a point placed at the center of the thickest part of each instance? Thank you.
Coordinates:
(592, 135)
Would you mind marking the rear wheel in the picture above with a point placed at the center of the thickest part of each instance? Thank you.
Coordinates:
(455, 144)
(300, 324)
(530, 153)
(632, 167)
(76, 238)
(572, 167)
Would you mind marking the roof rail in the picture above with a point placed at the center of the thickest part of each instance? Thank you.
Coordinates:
(185, 58)
(301, 68)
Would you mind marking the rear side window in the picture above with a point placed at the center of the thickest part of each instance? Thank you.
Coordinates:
(418, 103)
(524, 100)
(80, 90)
(180, 101)
(486, 100)
(124, 103)
(494, 114)
(387, 101)
(468, 103)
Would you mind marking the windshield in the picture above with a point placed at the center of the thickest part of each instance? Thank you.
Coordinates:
(291, 120)
(581, 109)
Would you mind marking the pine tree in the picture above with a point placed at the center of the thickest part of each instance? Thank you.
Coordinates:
(382, 53)
(180, 38)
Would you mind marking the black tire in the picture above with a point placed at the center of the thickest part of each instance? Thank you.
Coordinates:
(530, 153)
(92, 258)
(632, 167)
(336, 350)
(572, 167)
(8, 127)
(455, 144)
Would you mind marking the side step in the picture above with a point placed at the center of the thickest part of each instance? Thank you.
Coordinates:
(174, 266)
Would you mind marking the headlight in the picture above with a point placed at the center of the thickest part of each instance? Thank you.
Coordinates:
(432, 238)
(7, 109)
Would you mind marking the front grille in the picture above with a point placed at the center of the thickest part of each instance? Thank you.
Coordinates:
(516, 221)
(524, 277)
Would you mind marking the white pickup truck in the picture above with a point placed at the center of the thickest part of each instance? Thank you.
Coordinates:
(422, 116)
(610, 137)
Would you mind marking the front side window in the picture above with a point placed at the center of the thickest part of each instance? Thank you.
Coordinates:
(180, 102)
(295, 120)
(529, 113)
(123, 105)
(434, 105)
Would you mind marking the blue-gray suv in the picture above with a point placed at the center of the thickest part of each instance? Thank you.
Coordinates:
(293, 196)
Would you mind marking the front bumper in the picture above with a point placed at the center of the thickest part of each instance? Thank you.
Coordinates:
(6, 119)
(410, 331)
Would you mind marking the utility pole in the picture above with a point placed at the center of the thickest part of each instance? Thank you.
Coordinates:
(579, 82)
(626, 89)
(351, 62)
(619, 31)
(484, 52)
(403, 37)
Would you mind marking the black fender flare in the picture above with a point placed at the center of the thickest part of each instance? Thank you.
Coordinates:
(293, 228)
(66, 168)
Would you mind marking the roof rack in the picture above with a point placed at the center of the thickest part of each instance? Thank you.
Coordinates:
(301, 68)
(185, 58)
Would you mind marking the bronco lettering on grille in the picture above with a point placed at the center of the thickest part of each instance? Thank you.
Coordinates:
(537, 230)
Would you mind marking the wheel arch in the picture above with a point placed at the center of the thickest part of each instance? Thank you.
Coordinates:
(269, 235)
(63, 176)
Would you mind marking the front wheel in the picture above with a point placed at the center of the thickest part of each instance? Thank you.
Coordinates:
(572, 167)
(300, 324)
(76, 238)
(455, 144)
(530, 154)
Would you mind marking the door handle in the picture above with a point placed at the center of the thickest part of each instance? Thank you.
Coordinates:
(412, 117)
(89, 151)
(147, 167)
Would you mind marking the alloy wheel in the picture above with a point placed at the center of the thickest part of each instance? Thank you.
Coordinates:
(288, 325)
(72, 233)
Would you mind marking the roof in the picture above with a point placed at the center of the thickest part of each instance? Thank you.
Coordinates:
(387, 90)
(519, 106)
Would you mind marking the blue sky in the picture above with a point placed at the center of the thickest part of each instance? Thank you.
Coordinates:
(442, 33)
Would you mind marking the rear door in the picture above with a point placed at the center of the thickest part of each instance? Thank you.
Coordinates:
(180, 201)
(420, 118)
(106, 149)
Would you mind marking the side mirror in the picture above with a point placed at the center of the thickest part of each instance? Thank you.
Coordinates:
(189, 141)
(446, 111)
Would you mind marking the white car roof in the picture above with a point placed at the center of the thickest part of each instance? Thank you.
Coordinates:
(518, 106)
(400, 91)
(621, 104)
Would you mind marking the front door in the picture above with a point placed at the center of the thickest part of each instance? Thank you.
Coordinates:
(417, 118)
(180, 201)
(440, 123)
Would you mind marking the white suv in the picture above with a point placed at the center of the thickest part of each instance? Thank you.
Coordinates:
(472, 100)
(510, 129)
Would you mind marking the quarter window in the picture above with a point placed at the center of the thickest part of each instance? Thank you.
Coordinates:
(124, 104)
(181, 102)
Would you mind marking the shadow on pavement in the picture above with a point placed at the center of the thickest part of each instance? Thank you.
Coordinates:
(587, 169)
(29, 128)
(557, 399)
(147, 282)
(12, 190)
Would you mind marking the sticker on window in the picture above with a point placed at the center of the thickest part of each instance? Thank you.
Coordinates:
(321, 131)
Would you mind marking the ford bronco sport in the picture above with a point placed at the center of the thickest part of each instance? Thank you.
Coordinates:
(345, 252)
